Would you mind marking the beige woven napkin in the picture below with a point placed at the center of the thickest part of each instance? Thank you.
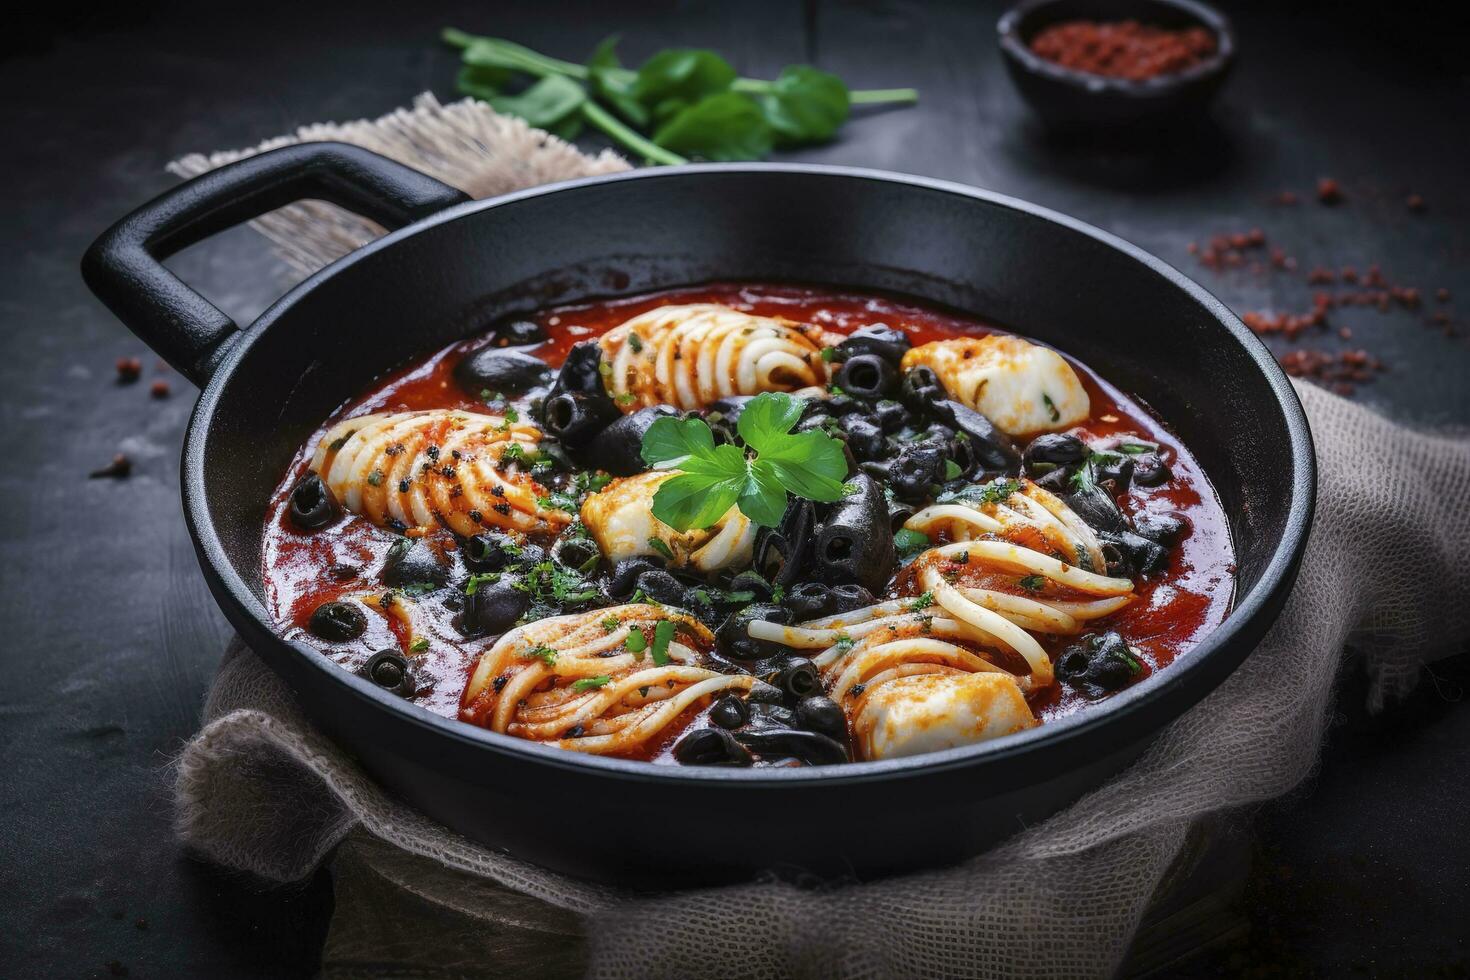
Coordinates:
(258, 790)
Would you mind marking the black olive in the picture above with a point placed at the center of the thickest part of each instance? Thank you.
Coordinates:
(618, 448)
(1163, 528)
(516, 331)
(809, 600)
(710, 747)
(312, 504)
(916, 471)
(762, 693)
(576, 418)
(729, 712)
(855, 542)
(582, 370)
(781, 551)
(839, 405)
(660, 586)
(733, 637)
(575, 552)
(867, 376)
(799, 678)
(772, 715)
(753, 583)
(413, 562)
(700, 603)
(1058, 481)
(878, 339)
(847, 597)
(1097, 663)
(501, 370)
(490, 551)
(624, 579)
(494, 607)
(1139, 555)
(1097, 508)
(337, 622)
(389, 670)
(891, 415)
(809, 747)
(921, 389)
(723, 433)
(1048, 452)
(822, 714)
(1114, 471)
(864, 438)
(899, 514)
(1149, 470)
(992, 448)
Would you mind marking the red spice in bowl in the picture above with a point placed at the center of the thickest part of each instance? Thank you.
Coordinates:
(1124, 49)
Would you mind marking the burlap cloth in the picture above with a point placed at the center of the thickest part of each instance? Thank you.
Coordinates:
(1384, 577)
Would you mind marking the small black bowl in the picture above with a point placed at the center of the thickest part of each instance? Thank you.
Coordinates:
(1070, 99)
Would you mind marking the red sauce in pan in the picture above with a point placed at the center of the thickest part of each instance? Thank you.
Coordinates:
(1173, 609)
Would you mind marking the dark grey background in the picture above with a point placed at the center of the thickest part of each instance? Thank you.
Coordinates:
(110, 637)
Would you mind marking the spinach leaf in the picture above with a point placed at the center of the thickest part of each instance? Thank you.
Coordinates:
(722, 127)
(677, 78)
(545, 104)
(805, 105)
(612, 84)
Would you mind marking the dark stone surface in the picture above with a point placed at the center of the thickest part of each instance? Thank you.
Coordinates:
(111, 637)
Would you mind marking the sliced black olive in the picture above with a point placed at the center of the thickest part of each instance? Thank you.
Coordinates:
(763, 693)
(754, 583)
(733, 638)
(809, 600)
(772, 715)
(917, 470)
(312, 504)
(1149, 470)
(618, 447)
(840, 405)
(899, 513)
(921, 389)
(823, 715)
(781, 551)
(809, 747)
(992, 448)
(575, 552)
(799, 678)
(1139, 555)
(516, 331)
(490, 552)
(729, 712)
(867, 376)
(1098, 508)
(880, 340)
(661, 586)
(577, 418)
(1163, 528)
(1097, 663)
(390, 670)
(864, 438)
(1048, 452)
(501, 370)
(337, 622)
(624, 579)
(1058, 481)
(855, 542)
(700, 603)
(413, 562)
(891, 415)
(847, 597)
(710, 747)
(494, 607)
(582, 370)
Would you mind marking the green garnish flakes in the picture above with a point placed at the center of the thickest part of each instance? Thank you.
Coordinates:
(663, 635)
(590, 683)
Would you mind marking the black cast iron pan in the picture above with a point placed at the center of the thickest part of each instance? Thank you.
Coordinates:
(453, 264)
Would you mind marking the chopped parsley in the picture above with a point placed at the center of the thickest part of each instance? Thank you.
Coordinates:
(1032, 583)
(844, 643)
(921, 601)
(663, 634)
(659, 545)
(910, 542)
(473, 585)
(636, 642)
(996, 491)
(952, 470)
(375, 478)
(547, 655)
(1051, 407)
(419, 645)
(636, 343)
(610, 624)
(341, 441)
(829, 354)
(590, 683)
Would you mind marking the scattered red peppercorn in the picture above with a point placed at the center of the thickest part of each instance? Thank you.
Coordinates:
(1414, 202)
(1123, 49)
(1286, 198)
(1328, 191)
(119, 468)
(128, 370)
(1442, 294)
(159, 389)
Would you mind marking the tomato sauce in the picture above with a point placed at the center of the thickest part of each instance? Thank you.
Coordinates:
(1173, 610)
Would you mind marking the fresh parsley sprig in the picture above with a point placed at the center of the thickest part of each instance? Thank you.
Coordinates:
(712, 479)
(681, 103)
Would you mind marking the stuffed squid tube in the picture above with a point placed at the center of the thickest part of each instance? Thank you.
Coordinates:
(620, 519)
(416, 470)
(1023, 388)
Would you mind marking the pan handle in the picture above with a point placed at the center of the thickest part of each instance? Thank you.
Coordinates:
(124, 266)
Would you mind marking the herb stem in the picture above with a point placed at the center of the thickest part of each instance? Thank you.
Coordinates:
(599, 117)
(883, 96)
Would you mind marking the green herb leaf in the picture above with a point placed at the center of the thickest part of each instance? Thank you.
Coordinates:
(547, 655)
(1032, 583)
(419, 645)
(611, 84)
(910, 542)
(694, 500)
(952, 470)
(662, 547)
(921, 601)
(995, 492)
(1051, 407)
(679, 77)
(636, 642)
(805, 105)
(544, 104)
(670, 441)
(610, 624)
(590, 683)
(722, 127)
(663, 634)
